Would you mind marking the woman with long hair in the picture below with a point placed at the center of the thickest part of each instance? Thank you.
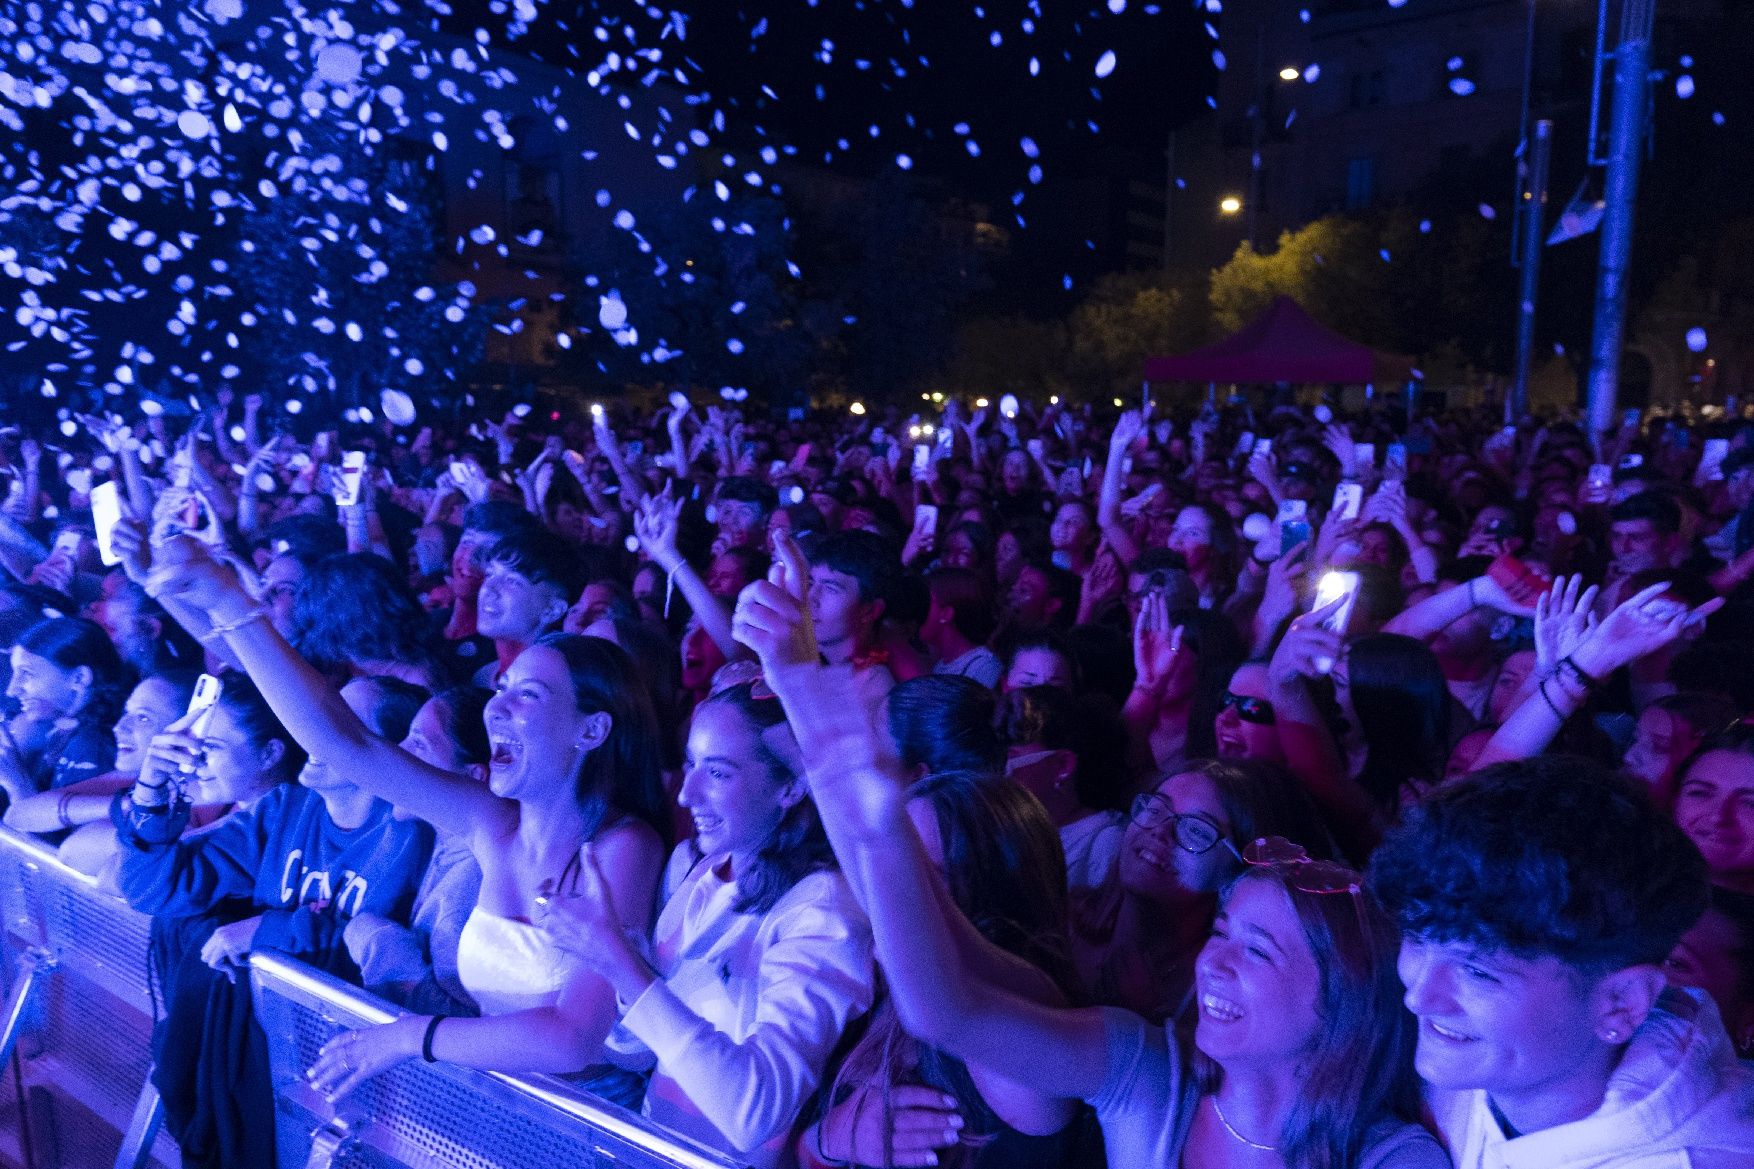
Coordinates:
(1135, 938)
(1300, 1053)
(574, 761)
(69, 684)
(759, 960)
(894, 1099)
(1395, 708)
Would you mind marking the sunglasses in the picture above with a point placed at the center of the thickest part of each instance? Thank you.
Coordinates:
(1193, 832)
(1251, 710)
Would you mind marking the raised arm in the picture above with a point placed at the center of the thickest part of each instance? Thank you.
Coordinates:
(655, 523)
(938, 990)
(1128, 427)
(313, 712)
(1587, 655)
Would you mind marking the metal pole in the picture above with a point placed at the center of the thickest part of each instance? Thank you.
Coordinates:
(1625, 152)
(1533, 206)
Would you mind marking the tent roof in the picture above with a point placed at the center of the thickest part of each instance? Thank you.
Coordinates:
(1283, 344)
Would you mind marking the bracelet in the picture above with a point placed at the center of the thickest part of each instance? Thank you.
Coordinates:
(1566, 663)
(226, 627)
(426, 1040)
(61, 808)
(1548, 699)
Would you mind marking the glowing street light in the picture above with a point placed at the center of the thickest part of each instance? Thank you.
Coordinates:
(1230, 204)
(1290, 73)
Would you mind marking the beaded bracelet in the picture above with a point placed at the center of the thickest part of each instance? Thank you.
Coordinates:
(61, 808)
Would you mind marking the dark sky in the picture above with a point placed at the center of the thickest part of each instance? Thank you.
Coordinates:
(916, 72)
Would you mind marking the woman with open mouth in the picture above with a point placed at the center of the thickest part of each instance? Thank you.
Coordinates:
(574, 761)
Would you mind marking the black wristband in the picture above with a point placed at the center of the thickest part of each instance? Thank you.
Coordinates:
(1577, 672)
(426, 1040)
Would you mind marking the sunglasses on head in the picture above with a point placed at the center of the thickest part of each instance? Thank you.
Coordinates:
(1298, 869)
(1251, 710)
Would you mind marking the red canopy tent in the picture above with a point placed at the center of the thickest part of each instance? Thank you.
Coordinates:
(1283, 344)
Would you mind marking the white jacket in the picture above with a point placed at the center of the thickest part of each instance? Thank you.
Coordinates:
(1678, 1100)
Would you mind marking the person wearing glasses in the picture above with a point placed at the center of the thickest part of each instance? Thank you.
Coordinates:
(1135, 938)
(1539, 902)
(1299, 1053)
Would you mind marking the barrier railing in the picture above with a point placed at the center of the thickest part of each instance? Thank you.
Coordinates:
(78, 1012)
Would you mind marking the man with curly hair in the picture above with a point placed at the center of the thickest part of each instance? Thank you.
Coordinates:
(1538, 902)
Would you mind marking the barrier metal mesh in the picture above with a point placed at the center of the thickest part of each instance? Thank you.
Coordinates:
(87, 1041)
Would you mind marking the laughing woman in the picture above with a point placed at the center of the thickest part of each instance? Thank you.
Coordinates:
(574, 762)
(760, 958)
(1301, 1053)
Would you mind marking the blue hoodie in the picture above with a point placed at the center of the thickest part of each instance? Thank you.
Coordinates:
(283, 853)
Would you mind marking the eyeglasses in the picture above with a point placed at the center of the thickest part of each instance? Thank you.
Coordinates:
(1293, 863)
(1251, 710)
(1193, 832)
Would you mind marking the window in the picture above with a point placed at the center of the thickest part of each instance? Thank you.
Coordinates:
(1360, 183)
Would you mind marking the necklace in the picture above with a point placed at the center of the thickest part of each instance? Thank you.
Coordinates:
(1219, 1113)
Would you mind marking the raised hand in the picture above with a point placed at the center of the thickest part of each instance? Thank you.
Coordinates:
(184, 570)
(1309, 648)
(655, 523)
(1128, 429)
(1643, 624)
(1156, 644)
(773, 615)
(1563, 618)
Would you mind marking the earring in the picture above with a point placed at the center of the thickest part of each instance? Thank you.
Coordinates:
(1611, 1035)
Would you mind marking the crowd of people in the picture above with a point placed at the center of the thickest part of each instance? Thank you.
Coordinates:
(1222, 785)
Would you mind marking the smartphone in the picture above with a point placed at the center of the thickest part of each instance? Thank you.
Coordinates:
(201, 704)
(1713, 456)
(1630, 417)
(1601, 477)
(1348, 500)
(1293, 524)
(1036, 448)
(459, 473)
(1245, 442)
(67, 540)
(106, 513)
(347, 484)
(1145, 396)
(1008, 405)
(1364, 455)
(1335, 586)
(925, 518)
(1395, 461)
(1263, 448)
(922, 457)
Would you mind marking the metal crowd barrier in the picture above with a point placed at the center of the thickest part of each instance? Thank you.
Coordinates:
(77, 1013)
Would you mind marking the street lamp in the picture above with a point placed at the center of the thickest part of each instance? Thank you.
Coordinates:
(1289, 73)
(1229, 205)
